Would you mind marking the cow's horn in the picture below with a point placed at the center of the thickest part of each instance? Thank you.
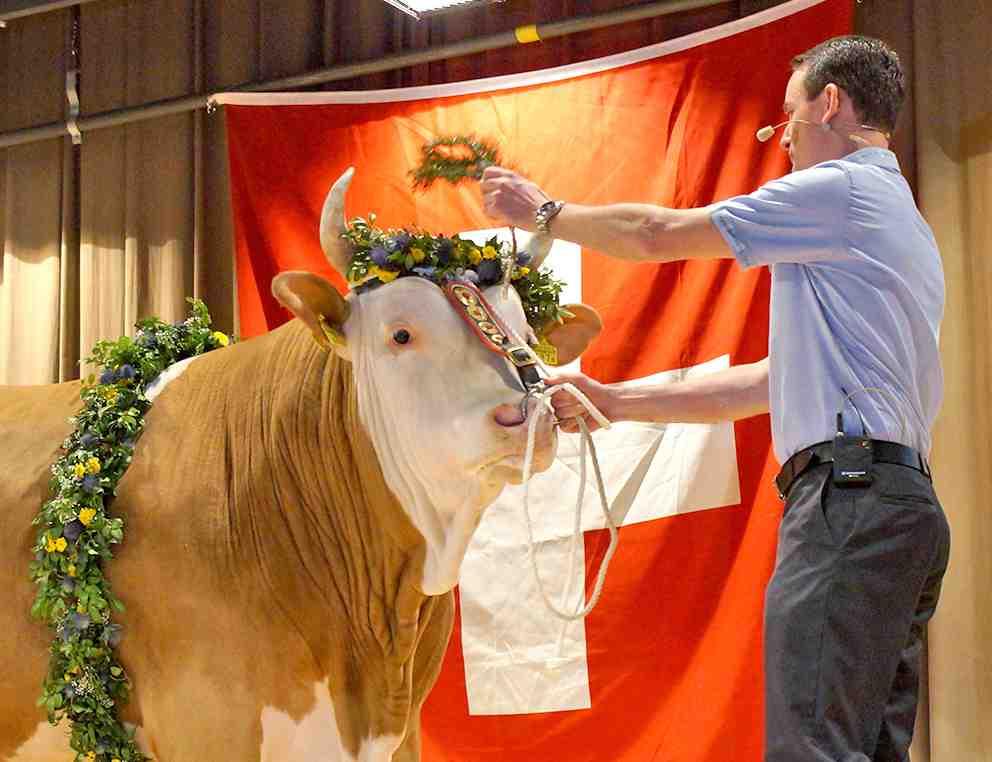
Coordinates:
(332, 224)
(539, 246)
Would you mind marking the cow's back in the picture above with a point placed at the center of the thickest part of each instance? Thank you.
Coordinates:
(33, 424)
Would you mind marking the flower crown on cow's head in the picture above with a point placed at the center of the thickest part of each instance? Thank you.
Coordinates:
(381, 256)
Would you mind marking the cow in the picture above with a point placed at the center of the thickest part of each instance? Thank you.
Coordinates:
(297, 512)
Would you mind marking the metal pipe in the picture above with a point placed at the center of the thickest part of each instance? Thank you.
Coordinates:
(15, 9)
(362, 68)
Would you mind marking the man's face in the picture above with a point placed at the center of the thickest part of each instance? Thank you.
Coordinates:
(806, 144)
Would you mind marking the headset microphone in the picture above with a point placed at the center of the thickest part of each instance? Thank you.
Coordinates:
(765, 133)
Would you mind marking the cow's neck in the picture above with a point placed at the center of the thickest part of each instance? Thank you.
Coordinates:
(313, 505)
(446, 512)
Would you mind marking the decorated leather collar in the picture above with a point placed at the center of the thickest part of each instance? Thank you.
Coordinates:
(487, 325)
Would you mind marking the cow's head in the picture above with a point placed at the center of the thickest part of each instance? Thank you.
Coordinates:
(442, 410)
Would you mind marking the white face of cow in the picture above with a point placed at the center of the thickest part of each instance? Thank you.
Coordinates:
(441, 409)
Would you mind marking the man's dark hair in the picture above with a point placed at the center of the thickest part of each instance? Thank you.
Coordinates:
(867, 69)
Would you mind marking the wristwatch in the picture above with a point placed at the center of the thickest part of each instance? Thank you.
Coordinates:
(545, 213)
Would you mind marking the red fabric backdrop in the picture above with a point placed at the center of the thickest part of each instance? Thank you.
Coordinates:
(674, 648)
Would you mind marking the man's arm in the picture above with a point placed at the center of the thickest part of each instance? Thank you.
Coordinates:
(642, 232)
(636, 232)
(726, 395)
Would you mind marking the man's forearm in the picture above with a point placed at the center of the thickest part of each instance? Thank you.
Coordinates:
(731, 394)
(620, 230)
(641, 232)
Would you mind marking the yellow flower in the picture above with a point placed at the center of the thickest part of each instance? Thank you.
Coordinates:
(91, 756)
(79, 470)
(384, 275)
(61, 544)
(86, 516)
(93, 466)
(71, 570)
(474, 255)
(523, 271)
(417, 254)
(110, 394)
(221, 338)
(50, 545)
(489, 252)
(80, 609)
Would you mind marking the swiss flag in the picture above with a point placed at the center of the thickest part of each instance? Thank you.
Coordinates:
(668, 665)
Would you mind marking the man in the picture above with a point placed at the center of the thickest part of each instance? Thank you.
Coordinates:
(852, 382)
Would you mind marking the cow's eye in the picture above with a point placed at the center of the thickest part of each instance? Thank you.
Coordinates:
(402, 336)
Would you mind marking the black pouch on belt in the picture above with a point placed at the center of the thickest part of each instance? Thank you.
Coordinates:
(853, 457)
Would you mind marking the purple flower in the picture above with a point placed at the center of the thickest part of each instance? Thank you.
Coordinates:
(426, 272)
(90, 483)
(87, 440)
(108, 377)
(126, 371)
(74, 528)
(79, 621)
(147, 340)
(379, 255)
(68, 584)
(402, 240)
(523, 258)
(444, 248)
(489, 272)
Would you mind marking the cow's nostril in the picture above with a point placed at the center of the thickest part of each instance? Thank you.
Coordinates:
(509, 415)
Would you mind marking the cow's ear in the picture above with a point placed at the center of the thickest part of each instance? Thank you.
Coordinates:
(317, 303)
(571, 337)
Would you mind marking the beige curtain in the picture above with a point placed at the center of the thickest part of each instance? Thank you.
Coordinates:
(954, 153)
(36, 269)
(138, 217)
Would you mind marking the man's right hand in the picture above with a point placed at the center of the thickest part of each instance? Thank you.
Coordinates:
(511, 198)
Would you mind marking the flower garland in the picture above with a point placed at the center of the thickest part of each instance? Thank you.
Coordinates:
(382, 256)
(85, 682)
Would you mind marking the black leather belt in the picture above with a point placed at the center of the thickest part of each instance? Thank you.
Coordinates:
(823, 452)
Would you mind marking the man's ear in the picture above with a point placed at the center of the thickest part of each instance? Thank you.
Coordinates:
(571, 337)
(832, 95)
(318, 304)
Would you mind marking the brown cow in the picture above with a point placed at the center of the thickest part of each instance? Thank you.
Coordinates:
(297, 514)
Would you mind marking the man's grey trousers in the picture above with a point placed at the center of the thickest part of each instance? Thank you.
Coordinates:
(856, 578)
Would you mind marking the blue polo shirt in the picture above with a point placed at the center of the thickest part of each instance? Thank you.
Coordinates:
(856, 304)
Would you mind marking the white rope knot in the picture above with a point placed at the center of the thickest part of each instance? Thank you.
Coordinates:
(542, 408)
